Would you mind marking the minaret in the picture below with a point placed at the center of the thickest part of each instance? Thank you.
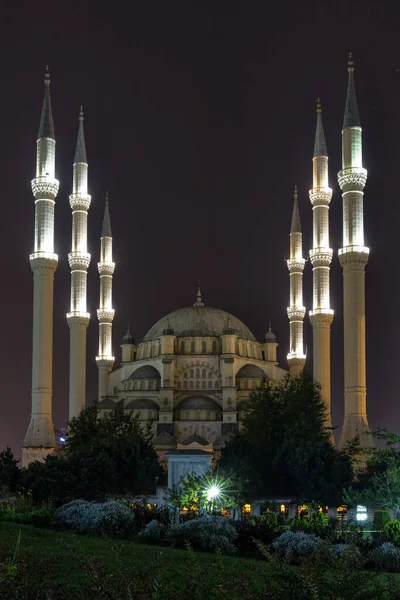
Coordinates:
(296, 311)
(353, 257)
(40, 440)
(79, 259)
(321, 316)
(105, 313)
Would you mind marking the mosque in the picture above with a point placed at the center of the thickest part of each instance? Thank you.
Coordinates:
(192, 373)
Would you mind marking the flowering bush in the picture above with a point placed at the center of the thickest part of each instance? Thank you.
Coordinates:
(207, 533)
(154, 531)
(103, 518)
(295, 546)
(385, 557)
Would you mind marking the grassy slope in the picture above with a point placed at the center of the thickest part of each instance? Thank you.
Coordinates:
(67, 556)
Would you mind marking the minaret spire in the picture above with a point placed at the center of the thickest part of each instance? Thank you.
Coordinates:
(199, 301)
(105, 313)
(79, 260)
(296, 311)
(321, 315)
(353, 257)
(40, 439)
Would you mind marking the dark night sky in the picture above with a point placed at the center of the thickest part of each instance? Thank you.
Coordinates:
(199, 122)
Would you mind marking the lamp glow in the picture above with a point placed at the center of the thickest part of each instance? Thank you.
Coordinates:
(213, 492)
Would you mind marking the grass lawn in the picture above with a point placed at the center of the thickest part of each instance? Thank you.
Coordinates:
(75, 559)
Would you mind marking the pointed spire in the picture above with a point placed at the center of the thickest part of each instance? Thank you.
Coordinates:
(199, 301)
(46, 127)
(320, 144)
(106, 229)
(351, 116)
(296, 225)
(80, 152)
(270, 336)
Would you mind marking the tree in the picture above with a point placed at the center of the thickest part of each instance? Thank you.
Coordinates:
(378, 482)
(102, 457)
(9, 471)
(285, 447)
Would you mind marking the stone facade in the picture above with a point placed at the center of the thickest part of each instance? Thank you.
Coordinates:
(192, 384)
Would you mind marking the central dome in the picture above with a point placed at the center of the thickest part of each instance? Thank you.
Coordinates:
(199, 321)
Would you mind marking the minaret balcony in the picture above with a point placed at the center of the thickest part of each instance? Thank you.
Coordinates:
(105, 315)
(354, 249)
(296, 265)
(41, 257)
(352, 179)
(45, 188)
(79, 260)
(321, 257)
(320, 196)
(106, 268)
(80, 201)
(296, 313)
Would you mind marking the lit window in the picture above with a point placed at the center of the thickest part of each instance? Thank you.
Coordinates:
(246, 509)
(302, 511)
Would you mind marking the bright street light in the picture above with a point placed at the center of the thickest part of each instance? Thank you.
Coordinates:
(213, 492)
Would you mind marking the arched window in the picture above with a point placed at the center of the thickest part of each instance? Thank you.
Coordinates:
(192, 347)
(142, 385)
(185, 385)
(244, 350)
(136, 385)
(214, 347)
(229, 402)
(191, 385)
(191, 373)
(203, 373)
(187, 415)
(197, 373)
(253, 385)
(236, 348)
(204, 385)
(185, 376)
(179, 385)
(245, 385)
(150, 414)
(165, 401)
(182, 347)
(150, 385)
(217, 385)
(197, 385)
(204, 347)
(197, 415)
(208, 415)
(209, 375)
(210, 385)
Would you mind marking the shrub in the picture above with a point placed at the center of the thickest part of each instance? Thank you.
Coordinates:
(104, 518)
(207, 533)
(381, 517)
(295, 546)
(391, 532)
(348, 552)
(385, 557)
(264, 529)
(154, 531)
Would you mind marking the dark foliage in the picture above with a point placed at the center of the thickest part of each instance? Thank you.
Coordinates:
(9, 471)
(285, 449)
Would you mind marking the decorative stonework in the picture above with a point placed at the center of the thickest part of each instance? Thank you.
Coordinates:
(78, 319)
(320, 197)
(43, 260)
(106, 268)
(321, 317)
(296, 264)
(105, 316)
(352, 179)
(296, 312)
(321, 257)
(80, 201)
(79, 260)
(45, 188)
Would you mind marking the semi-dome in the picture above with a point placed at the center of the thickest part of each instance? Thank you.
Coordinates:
(199, 321)
(142, 403)
(194, 438)
(251, 372)
(198, 403)
(146, 372)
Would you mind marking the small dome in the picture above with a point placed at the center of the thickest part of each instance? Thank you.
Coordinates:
(270, 337)
(198, 439)
(107, 403)
(142, 403)
(146, 372)
(251, 372)
(128, 337)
